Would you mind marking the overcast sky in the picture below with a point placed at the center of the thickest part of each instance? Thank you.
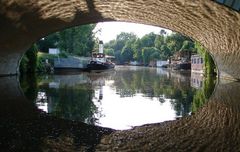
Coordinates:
(109, 30)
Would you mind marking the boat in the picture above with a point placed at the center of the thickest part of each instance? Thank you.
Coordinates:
(183, 66)
(100, 61)
(181, 60)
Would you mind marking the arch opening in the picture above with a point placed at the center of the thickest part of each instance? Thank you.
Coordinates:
(213, 25)
(136, 76)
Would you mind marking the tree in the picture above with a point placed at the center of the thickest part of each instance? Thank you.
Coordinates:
(118, 57)
(122, 39)
(76, 40)
(127, 51)
(209, 65)
(175, 42)
(165, 52)
(137, 50)
(146, 54)
(148, 40)
(188, 45)
(162, 46)
(159, 41)
(28, 63)
(109, 51)
(50, 41)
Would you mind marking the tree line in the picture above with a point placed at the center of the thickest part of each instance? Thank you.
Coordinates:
(81, 41)
(128, 47)
(78, 41)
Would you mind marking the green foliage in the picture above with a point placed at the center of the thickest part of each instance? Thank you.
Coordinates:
(118, 57)
(28, 63)
(50, 41)
(72, 102)
(75, 41)
(42, 66)
(109, 52)
(32, 59)
(209, 65)
(23, 64)
(148, 40)
(161, 46)
(127, 51)
(175, 41)
(29, 86)
(147, 82)
(137, 50)
(202, 95)
(149, 53)
(159, 41)
(198, 100)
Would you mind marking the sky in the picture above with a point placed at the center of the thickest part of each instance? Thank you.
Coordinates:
(110, 30)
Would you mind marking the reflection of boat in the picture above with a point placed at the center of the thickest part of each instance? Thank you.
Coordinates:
(100, 61)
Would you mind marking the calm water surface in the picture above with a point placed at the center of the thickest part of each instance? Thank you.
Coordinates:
(123, 98)
(119, 99)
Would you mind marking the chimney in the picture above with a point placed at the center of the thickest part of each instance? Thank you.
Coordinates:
(100, 46)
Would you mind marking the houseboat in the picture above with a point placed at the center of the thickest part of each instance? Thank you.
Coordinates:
(100, 61)
(181, 60)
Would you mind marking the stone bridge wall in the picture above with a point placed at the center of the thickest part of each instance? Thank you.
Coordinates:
(217, 27)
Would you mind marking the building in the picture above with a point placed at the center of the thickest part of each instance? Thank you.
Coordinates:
(197, 64)
(162, 63)
(197, 80)
(54, 51)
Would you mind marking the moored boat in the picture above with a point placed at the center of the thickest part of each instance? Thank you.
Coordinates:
(99, 61)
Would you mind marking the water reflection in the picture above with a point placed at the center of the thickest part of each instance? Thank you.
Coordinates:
(129, 96)
(23, 127)
(213, 127)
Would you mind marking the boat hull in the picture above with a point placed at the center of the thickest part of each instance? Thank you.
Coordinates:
(99, 66)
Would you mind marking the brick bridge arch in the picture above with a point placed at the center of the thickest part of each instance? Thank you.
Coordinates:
(217, 27)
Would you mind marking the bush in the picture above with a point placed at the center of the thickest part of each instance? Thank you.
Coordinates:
(28, 63)
(42, 65)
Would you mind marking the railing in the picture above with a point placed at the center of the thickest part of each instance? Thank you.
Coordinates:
(71, 62)
(233, 4)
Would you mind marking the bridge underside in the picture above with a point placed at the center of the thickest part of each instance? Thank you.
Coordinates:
(215, 26)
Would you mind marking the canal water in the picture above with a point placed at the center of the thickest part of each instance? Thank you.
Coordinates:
(122, 98)
(127, 109)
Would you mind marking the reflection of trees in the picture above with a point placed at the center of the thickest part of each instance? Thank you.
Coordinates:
(182, 100)
(29, 86)
(202, 95)
(175, 87)
(72, 102)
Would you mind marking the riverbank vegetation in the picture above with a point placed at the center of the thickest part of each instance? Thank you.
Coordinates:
(73, 41)
(203, 94)
(209, 65)
(78, 41)
(127, 47)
